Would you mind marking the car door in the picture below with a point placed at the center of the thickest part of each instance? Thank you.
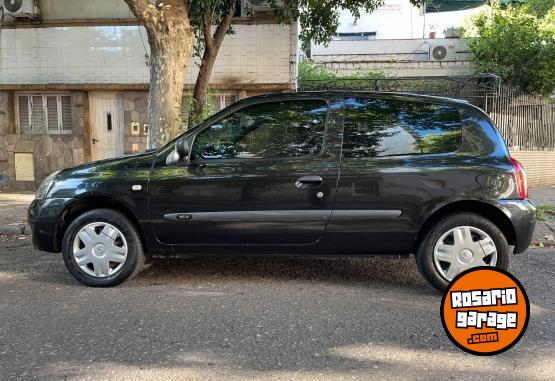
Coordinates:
(264, 173)
(397, 163)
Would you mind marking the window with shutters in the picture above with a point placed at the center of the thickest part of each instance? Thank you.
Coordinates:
(43, 113)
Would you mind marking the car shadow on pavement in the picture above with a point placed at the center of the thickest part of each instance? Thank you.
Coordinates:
(399, 272)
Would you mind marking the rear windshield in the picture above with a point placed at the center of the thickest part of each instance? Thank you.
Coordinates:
(386, 127)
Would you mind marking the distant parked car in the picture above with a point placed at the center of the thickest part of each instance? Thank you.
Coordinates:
(326, 173)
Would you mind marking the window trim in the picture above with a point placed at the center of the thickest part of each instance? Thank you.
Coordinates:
(59, 110)
(261, 159)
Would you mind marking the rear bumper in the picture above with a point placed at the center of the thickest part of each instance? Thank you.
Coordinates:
(44, 217)
(522, 214)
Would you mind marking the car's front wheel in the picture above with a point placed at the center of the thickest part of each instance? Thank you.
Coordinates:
(458, 242)
(102, 248)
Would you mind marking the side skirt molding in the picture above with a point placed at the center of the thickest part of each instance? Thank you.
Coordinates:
(283, 215)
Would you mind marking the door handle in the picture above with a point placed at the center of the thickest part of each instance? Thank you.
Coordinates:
(94, 141)
(309, 181)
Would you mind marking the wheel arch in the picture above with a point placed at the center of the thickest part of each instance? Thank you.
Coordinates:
(86, 204)
(484, 209)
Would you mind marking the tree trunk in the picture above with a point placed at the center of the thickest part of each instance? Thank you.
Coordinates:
(202, 83)
(171, 39)
(170, 54)
(212, 44)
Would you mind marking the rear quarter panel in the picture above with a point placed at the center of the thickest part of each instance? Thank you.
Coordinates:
(417, 186)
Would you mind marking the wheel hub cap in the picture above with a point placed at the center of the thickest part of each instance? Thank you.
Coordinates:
(466, 256)
(100, 249)
(462, 248)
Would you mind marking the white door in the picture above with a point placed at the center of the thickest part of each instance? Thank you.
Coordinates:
(107, 127)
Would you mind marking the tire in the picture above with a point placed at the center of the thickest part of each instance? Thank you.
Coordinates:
(97, 237)
(428, 260)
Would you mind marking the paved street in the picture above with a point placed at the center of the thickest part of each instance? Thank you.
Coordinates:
(252, 318)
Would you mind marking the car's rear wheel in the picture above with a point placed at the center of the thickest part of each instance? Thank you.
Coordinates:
(102, 248)
(458, 242)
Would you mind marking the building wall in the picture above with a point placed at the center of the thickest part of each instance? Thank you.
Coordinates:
(398, 19)
(76, 9)
(539, 166)
(405, 69)
(254, 55)
(135, 111)
(399, 58)
(50, 152)
(417, 49)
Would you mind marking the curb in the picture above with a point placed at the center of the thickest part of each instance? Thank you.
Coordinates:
(15, 230)
(543, 244)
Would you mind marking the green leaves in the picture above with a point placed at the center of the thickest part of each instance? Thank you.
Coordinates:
(517, 45)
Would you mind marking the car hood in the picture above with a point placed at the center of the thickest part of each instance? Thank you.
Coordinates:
(103, 176)
(129, 161)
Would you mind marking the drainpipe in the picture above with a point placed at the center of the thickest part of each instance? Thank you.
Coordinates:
(294, 54)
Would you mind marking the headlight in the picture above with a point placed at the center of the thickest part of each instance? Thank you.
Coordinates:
(44, 187)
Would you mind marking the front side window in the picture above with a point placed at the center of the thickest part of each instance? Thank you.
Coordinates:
(385, 127)
(266, 130)
(44, 113)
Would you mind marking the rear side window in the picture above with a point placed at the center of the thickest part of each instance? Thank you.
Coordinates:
(266, 130)
(385, 127)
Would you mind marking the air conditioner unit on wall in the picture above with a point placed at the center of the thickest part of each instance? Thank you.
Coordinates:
(21, 8)
(443, 53)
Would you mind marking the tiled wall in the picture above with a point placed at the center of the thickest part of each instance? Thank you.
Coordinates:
(115, 54)
(539, 166)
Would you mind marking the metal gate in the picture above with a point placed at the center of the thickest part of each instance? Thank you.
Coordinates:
(526, 121)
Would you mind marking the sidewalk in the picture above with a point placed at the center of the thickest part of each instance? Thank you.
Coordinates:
(543, 196)
(13, 214)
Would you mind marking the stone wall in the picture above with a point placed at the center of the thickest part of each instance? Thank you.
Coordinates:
(6, 128)
(50, 152)
(135, 111)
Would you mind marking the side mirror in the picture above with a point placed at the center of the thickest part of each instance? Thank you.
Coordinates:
(182, 148)
(180, 152)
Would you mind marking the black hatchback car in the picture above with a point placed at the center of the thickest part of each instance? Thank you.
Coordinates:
(324, 173)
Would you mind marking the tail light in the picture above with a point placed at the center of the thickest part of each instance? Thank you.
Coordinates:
(520, 176)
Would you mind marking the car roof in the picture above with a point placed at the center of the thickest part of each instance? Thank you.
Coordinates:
(380, 94)
(459, 103)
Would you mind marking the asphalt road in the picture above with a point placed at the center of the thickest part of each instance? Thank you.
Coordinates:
(252, 318)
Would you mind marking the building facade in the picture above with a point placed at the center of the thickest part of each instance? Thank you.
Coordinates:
(399, 19)
(74, 82)
(419, 57)
(399, 39)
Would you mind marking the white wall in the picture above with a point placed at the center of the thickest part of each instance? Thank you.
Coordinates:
(399, 19)
(256, 54)
(402, 58)
(388, 50)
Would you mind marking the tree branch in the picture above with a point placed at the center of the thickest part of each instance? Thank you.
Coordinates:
(207, 30)
(224, 25)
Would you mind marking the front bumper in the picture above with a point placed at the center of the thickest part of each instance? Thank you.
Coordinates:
(522, 214)
(45, 216)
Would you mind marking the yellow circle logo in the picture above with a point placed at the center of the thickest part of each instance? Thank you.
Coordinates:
(485, 311)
